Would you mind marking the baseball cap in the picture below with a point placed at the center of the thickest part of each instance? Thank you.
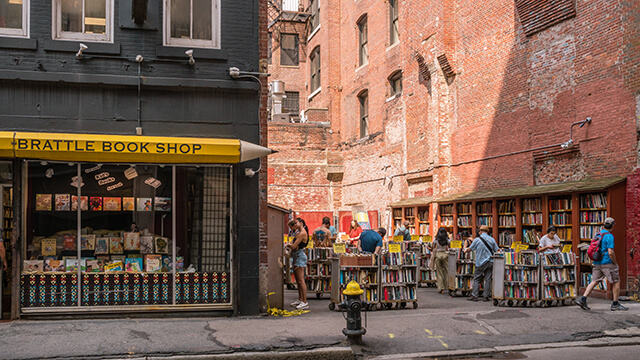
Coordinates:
(609, 221)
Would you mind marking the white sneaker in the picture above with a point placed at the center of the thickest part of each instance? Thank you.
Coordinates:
(296, 303)
(303, 306)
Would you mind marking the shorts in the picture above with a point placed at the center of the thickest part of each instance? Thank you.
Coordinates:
(299, 258)
(610, 271)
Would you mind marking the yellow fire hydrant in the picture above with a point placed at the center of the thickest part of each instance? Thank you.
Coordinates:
(353, 305)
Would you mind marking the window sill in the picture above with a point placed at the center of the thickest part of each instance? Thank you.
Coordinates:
(393, 46)
(314, 33)
(362, 66)
(290, 66)
(394, 97)
(198, 53)
(73, 46)
(18, 43)
(316, 92)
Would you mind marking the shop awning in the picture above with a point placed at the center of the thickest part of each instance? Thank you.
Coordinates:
(585, 185)
(425, 200)
(124, 148)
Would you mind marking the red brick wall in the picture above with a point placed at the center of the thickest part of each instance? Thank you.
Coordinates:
(510, 93)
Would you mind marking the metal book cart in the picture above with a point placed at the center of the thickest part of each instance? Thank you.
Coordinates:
(516, 278)
(318, 277)
(364, 269)
(558, 279)
(427, 275)
(399, 280)
(460, 274)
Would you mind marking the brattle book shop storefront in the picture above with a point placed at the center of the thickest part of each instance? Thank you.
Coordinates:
(125, 223)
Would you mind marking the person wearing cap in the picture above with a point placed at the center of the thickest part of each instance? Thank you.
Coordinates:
(605, 268)
(371, 240)
(484, 246)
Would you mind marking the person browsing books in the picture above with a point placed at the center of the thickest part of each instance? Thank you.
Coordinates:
(354, 232)
(371, 240)
(322, 235)
(467, 239)
(440, 246)
(484, 246)
(550, 242)
(404, 231)
(605, 268)
(296, 246)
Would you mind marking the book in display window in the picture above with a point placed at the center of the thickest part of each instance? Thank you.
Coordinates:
(123, 227)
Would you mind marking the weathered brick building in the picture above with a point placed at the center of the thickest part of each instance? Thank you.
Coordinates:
(406, 99)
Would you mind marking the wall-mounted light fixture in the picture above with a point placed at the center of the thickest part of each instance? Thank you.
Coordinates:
(83, 47)
(189, 53)
(569, 143)
(139, 58)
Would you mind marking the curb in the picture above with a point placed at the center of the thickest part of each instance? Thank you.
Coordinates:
(332, 353)
(598, 342)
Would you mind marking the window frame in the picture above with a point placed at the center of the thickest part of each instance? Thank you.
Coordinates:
(24, 31)
(314, 19)
(394, 79)
(295, 51)
(58, 34)
(394, 31)
(216, 29)
(315, 67)
(363, 41)
(363, 101)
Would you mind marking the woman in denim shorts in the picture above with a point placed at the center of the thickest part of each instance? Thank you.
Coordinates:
(300, 240)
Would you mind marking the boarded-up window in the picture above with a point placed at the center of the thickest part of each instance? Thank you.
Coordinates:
(289, 49)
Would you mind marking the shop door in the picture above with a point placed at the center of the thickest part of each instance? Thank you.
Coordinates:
(6, 199)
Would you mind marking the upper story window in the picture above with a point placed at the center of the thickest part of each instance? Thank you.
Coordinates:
(289, 5)
(289, 49)
(269, 47)
(14, 18)
(193, 23)
(393, 22)
(395, 83)
(363, 99)
(314, 19)
(363, 41)
(90, 20)
(315, 69)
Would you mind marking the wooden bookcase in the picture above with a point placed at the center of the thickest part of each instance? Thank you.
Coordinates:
(447, 218)
(424, 222)
(507, 221)
(532, 218)
(464, 218)
(418, 215)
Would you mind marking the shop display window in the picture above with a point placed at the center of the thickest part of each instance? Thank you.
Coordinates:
(132, 226)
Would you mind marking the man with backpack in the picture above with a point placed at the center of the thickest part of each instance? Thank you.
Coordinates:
(605, 268)
(484, 246)
(404, 231)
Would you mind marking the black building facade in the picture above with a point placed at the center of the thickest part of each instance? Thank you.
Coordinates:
(128, 142)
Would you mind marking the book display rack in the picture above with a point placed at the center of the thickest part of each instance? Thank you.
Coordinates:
(560, 216)
(506, 222)
(427, 275)
(484, 214)
(593, 211)
(465, 218)
(424, 223)
(446, 217)
(363, 269)
(319, 271)
(558, 279)
(520, 275)
(531, 221)
(461, 269)
(397, 218)
(398, 280)
(418, 217)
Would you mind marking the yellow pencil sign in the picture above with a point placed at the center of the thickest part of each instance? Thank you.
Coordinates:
(514, 245)
(339, 248)
(286, 238)
(522, 247)
(456, 244)
(398, 238)
(566, 249)
(395, 248)
(310, 244)
(426, 238)
(415, 237)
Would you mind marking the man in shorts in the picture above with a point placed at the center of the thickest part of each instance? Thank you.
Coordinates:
(605, 268)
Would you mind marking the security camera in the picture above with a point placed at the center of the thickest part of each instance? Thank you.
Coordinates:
(189, 53)
(567, 145)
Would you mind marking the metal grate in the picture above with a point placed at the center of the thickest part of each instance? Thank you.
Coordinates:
(291, 104)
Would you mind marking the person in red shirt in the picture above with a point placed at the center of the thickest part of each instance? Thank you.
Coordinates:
(354, 232)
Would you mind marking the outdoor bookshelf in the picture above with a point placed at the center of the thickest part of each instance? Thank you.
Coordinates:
(531, 221)
(484, 214)
(410, 215)
(318, 277)
(506, 222)
(593, 211)
(465, 216)
(424, 223)
(561, 216)
(417, 215)
(427, 275)
(558, 280)
(516, 278)
(398, 279)
(363, 269)
(446, 217)
(461, 269)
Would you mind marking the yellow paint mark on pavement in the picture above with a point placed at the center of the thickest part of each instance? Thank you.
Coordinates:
(439, 338)
(480, 332)
(391, 336)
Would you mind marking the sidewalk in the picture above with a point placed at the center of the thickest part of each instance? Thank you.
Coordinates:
(441, 323)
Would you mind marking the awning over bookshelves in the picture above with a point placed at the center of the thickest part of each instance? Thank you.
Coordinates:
(424, 200)
(128, 149)
(585, 185)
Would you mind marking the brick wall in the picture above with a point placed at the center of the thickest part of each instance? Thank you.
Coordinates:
(506, 92)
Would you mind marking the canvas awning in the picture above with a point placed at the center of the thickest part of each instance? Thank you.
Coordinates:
(124, 148)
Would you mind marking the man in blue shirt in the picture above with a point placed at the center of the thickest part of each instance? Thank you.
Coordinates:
(371, 240)
(484, 246)
(605, 268)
